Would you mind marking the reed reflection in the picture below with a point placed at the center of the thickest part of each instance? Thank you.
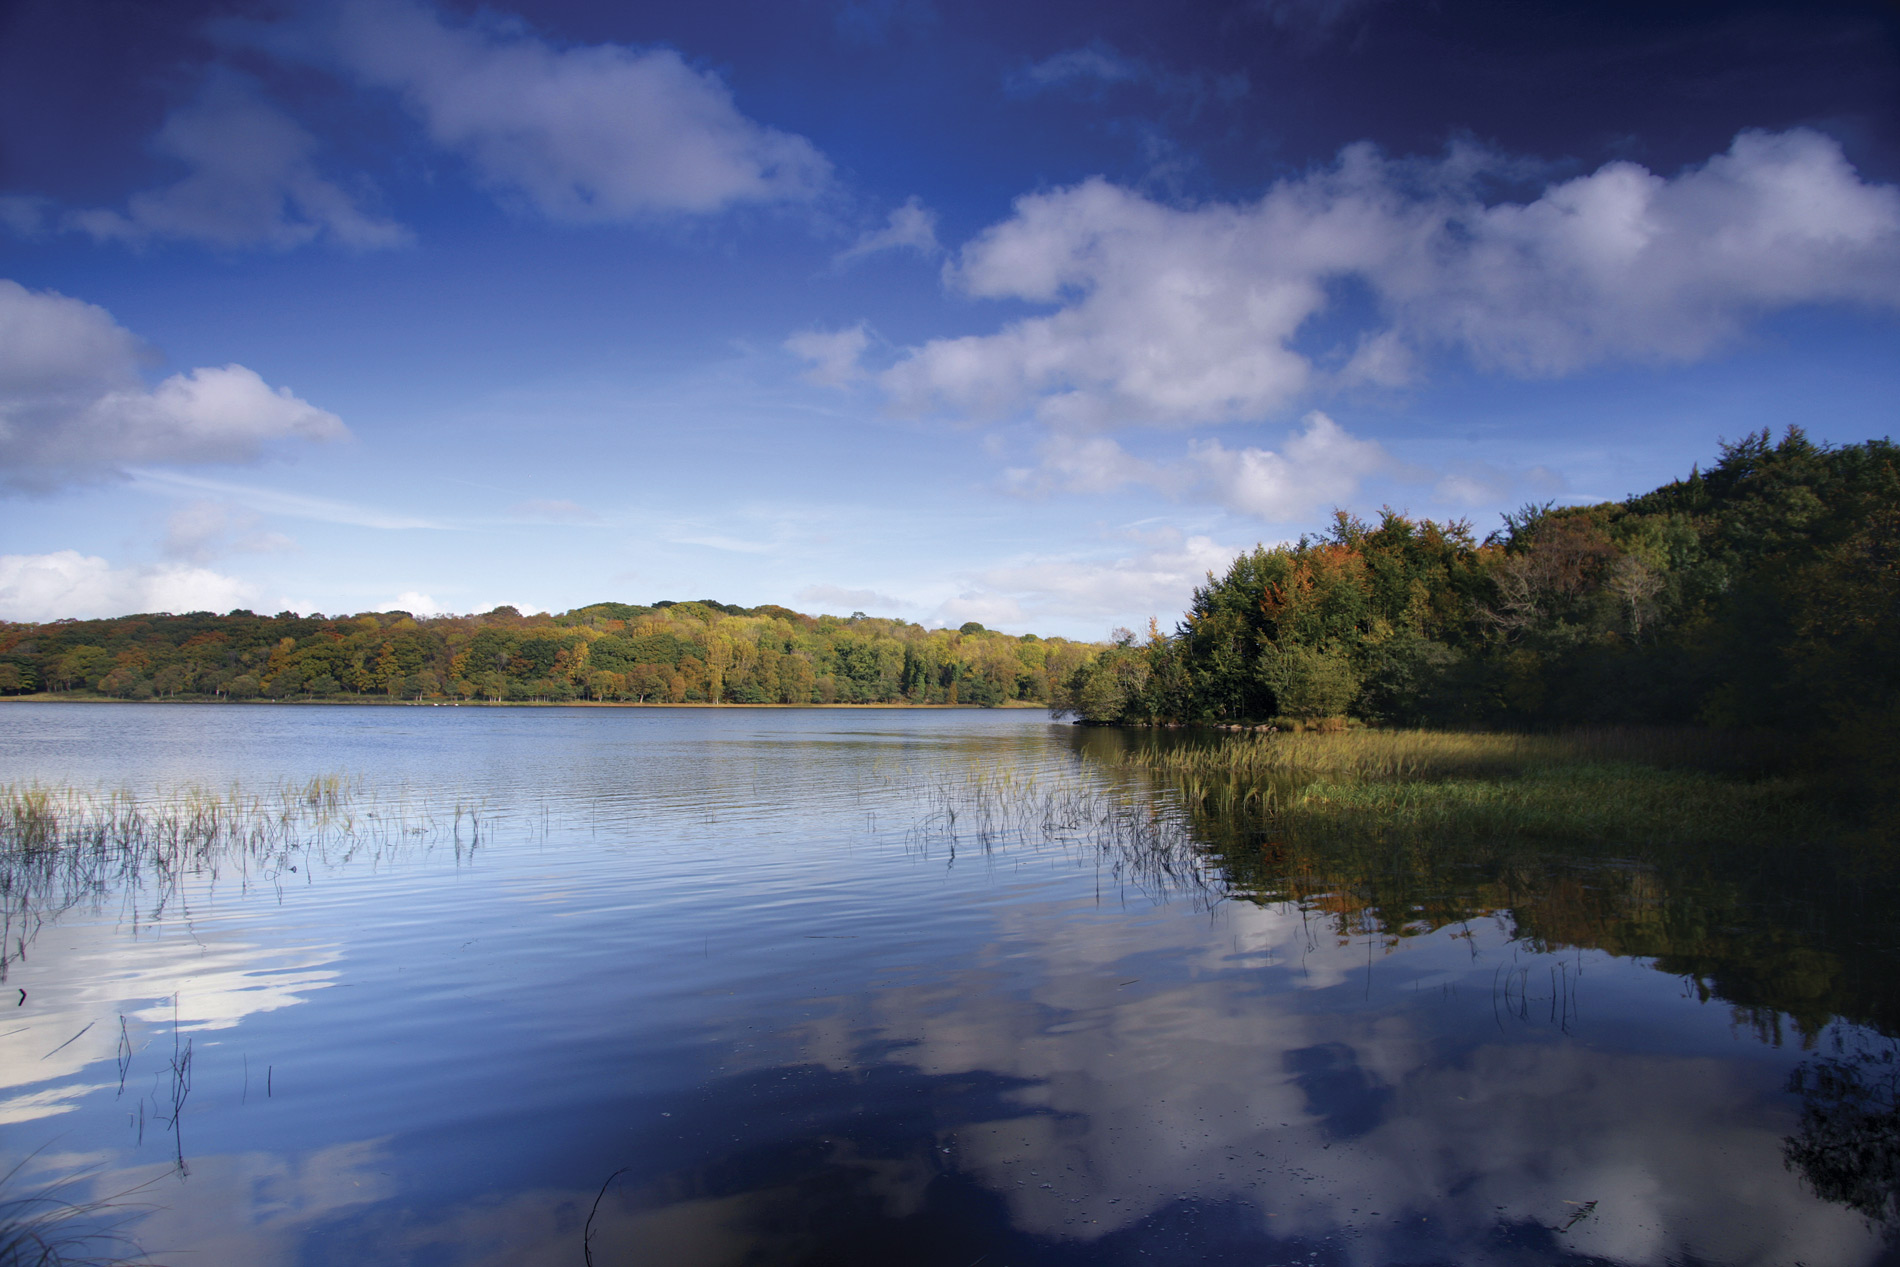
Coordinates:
(1643, 846)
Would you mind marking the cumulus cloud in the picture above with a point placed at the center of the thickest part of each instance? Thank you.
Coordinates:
(1317, 468)
(993, 611)
(835, 355)
(415, 603)
(251, 181)
(73, 406)
(1090, 464)
(1157, 575)
(1165, 315)
(66, 583)
(912, 226)
(838, 598)
(584, 133)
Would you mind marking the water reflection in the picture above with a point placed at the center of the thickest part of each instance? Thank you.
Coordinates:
(843, 990)
(1795, 933)
(1848, 1145)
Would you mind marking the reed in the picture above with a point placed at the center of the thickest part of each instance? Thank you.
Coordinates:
(1403, 755)
(1140, 840)
(1619, 804)
(62, 846)
(53, 1229)
(1610, 785)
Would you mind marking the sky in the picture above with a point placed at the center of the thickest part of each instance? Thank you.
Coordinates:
(1024, 314)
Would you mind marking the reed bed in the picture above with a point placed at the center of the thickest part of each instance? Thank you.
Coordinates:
(1621, 805)
(1611, 785)
(1404, 755)
(1142, 841)
(62, 846)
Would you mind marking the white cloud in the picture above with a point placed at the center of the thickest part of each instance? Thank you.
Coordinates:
(1484, 484)
(912, 226)
(202, 530)
(1090, 464)
(1180, 316)
(73, 406)
(1316, 469)
(1319, 468)
(416, 603)
(66, 583)
(1095, 63)
(994, 611)
(584, 133)
(836, 598)
(276, 502)
(835, 355)
(1098, 65)
(252, 182)
(1156, 578)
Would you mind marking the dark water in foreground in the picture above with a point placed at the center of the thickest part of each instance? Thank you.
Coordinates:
(745, 970)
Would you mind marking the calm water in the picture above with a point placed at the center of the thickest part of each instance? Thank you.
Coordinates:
(745, 970)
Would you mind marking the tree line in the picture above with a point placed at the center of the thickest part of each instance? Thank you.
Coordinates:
(669, 652)
(1761, 592)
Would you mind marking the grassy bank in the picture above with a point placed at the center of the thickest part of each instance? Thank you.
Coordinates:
(1612, 785)
(1702, 853)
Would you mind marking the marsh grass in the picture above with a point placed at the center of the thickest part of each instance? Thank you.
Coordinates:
(1412, 755)
(62, 846)
(1617, 804)
(1142, 842)
(55, 1228)
(1609, 786)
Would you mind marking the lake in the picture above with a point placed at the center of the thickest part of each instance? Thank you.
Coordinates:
(899, 986)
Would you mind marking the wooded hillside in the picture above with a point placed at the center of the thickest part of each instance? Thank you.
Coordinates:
(1763, 592)
(667, 653)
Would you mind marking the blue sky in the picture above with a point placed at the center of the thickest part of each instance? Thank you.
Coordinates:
(1023, 314)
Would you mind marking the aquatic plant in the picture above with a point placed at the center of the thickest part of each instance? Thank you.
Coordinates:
(51, 1229)
(60, 846)
(1143, 841)
(1399, 755)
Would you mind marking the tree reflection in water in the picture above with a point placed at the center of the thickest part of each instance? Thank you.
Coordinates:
(1848, 1144)
(1794, 929)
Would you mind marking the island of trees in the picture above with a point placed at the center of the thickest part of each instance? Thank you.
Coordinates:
(1763, 592)
(666, 653)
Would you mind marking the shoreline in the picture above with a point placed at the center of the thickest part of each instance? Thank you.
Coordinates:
(45, 697)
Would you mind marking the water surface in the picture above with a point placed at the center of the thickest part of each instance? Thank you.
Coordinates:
(778, 986)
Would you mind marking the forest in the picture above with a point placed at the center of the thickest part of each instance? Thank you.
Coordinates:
(666, 653)
(1760, 593)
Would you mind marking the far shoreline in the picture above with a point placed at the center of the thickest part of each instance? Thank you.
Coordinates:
(47, 697)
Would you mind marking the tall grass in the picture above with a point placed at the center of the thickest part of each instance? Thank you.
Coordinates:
(61, 846)
(1605, 786)
(1399, 755)
(51, 1229)
(1142, 841)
